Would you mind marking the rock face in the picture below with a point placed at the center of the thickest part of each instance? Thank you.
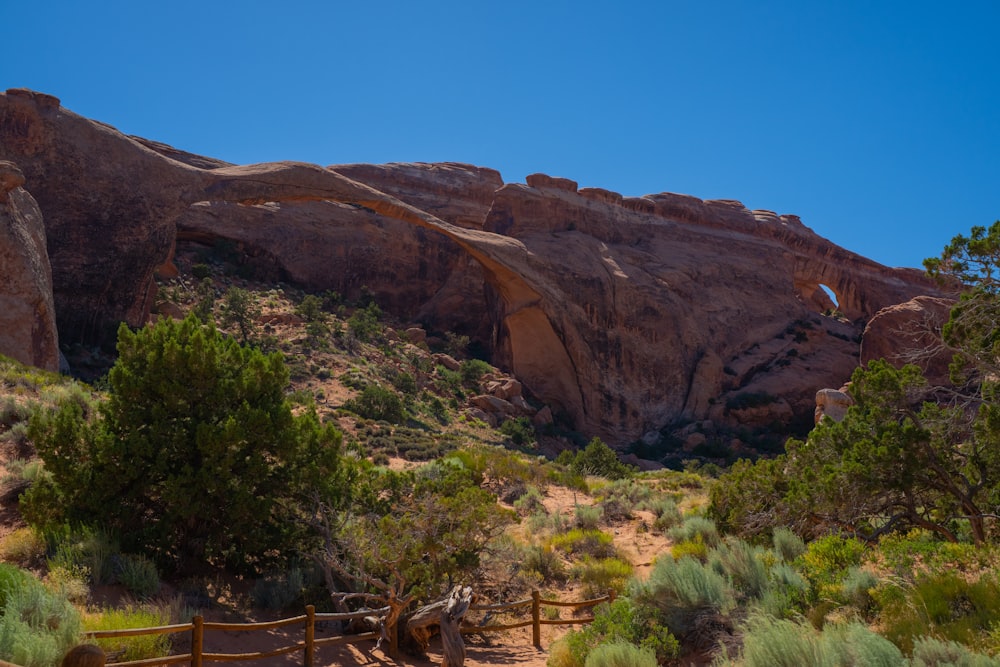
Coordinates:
(623, 314)
(27, 314)
(910, 332)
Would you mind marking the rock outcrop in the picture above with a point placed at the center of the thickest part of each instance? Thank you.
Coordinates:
(910, 332)
(624, 314)
(27, 314)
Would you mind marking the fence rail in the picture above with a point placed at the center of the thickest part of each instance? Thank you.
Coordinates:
(197, 627)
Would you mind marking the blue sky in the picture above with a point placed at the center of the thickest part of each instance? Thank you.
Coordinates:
(877, 122)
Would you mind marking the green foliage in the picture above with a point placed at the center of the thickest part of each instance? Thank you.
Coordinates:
(696, 526)
(666, 512)
(279, 590)
(749, 499)
(770, 642)
(932, 652)
(587, 517)
(519, 430)
(601, 575)
(946, 605)
(585, 542)
(23, 546)
(131, 648)
(826, 562)
(241, 310)
(622, 621)
(364, 324)
(138, 575)
(682, 590)
(411, 533)
(745, 567)
(378, 403)
(530, 502)
(311, 308)
(37, 626)
(787, 544)
(195, 456)
(620, 654)
(600, 460)
(543, 561)
(472, 370)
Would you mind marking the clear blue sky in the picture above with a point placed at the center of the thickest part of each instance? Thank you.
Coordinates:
(877, 122)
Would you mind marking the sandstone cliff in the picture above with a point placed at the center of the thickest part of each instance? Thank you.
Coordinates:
(625, 314)
(27, 314)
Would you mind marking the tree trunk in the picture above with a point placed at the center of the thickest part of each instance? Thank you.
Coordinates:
(444, 615)
(452, 646)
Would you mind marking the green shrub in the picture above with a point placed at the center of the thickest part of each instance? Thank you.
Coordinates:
(787, 544)
(131, 648)
(587, 517)
(744, 566)
(827, 560)
(580, 542)
(696, 526)
(599, 576)
(138, 575)
(37, 626)
(378, 403)
(364, 323)
(544, 561)
(620, 654)
(82, 550)
(279, 591)
(694, 548)
(473, 369)
(857, 589)
(945, 605)
(23, 546)
(770, 642)
(520, 431)
(931, 652)
(530, 502)
(666, 512)
(683, 590)
(620, 621)
(600, 460)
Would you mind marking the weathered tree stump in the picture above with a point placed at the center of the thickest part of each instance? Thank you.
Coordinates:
(84, 655)
(444, 615)
(452, 645)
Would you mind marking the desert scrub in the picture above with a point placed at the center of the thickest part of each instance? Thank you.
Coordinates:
(787, 545)
(138, 575)
(139, 647)
(770, 642)
(587, 517)
(826, 562)
(544, 561)
(618, 622)
(945, 605)
(599, 576)
(23, 547)
(744, 565)
(682, 591)
(620, 654)
(279, 590)
(530, 502)
(696, 526)
(37, 626)
(665, 512)
(580, 542)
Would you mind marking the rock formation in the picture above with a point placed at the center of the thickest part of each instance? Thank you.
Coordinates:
(624, 314)
(910, 332)
(27, 314)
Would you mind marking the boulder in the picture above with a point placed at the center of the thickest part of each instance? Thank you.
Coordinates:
(833, 404)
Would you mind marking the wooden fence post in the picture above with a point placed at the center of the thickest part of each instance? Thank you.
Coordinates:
(310, 634)
(611, 595)
(84, 655)
(536, 618)
(197, 640)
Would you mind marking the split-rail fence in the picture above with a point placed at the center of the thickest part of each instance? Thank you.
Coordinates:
(308, 645)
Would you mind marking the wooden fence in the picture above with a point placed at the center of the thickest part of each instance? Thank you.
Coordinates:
(308, 645)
